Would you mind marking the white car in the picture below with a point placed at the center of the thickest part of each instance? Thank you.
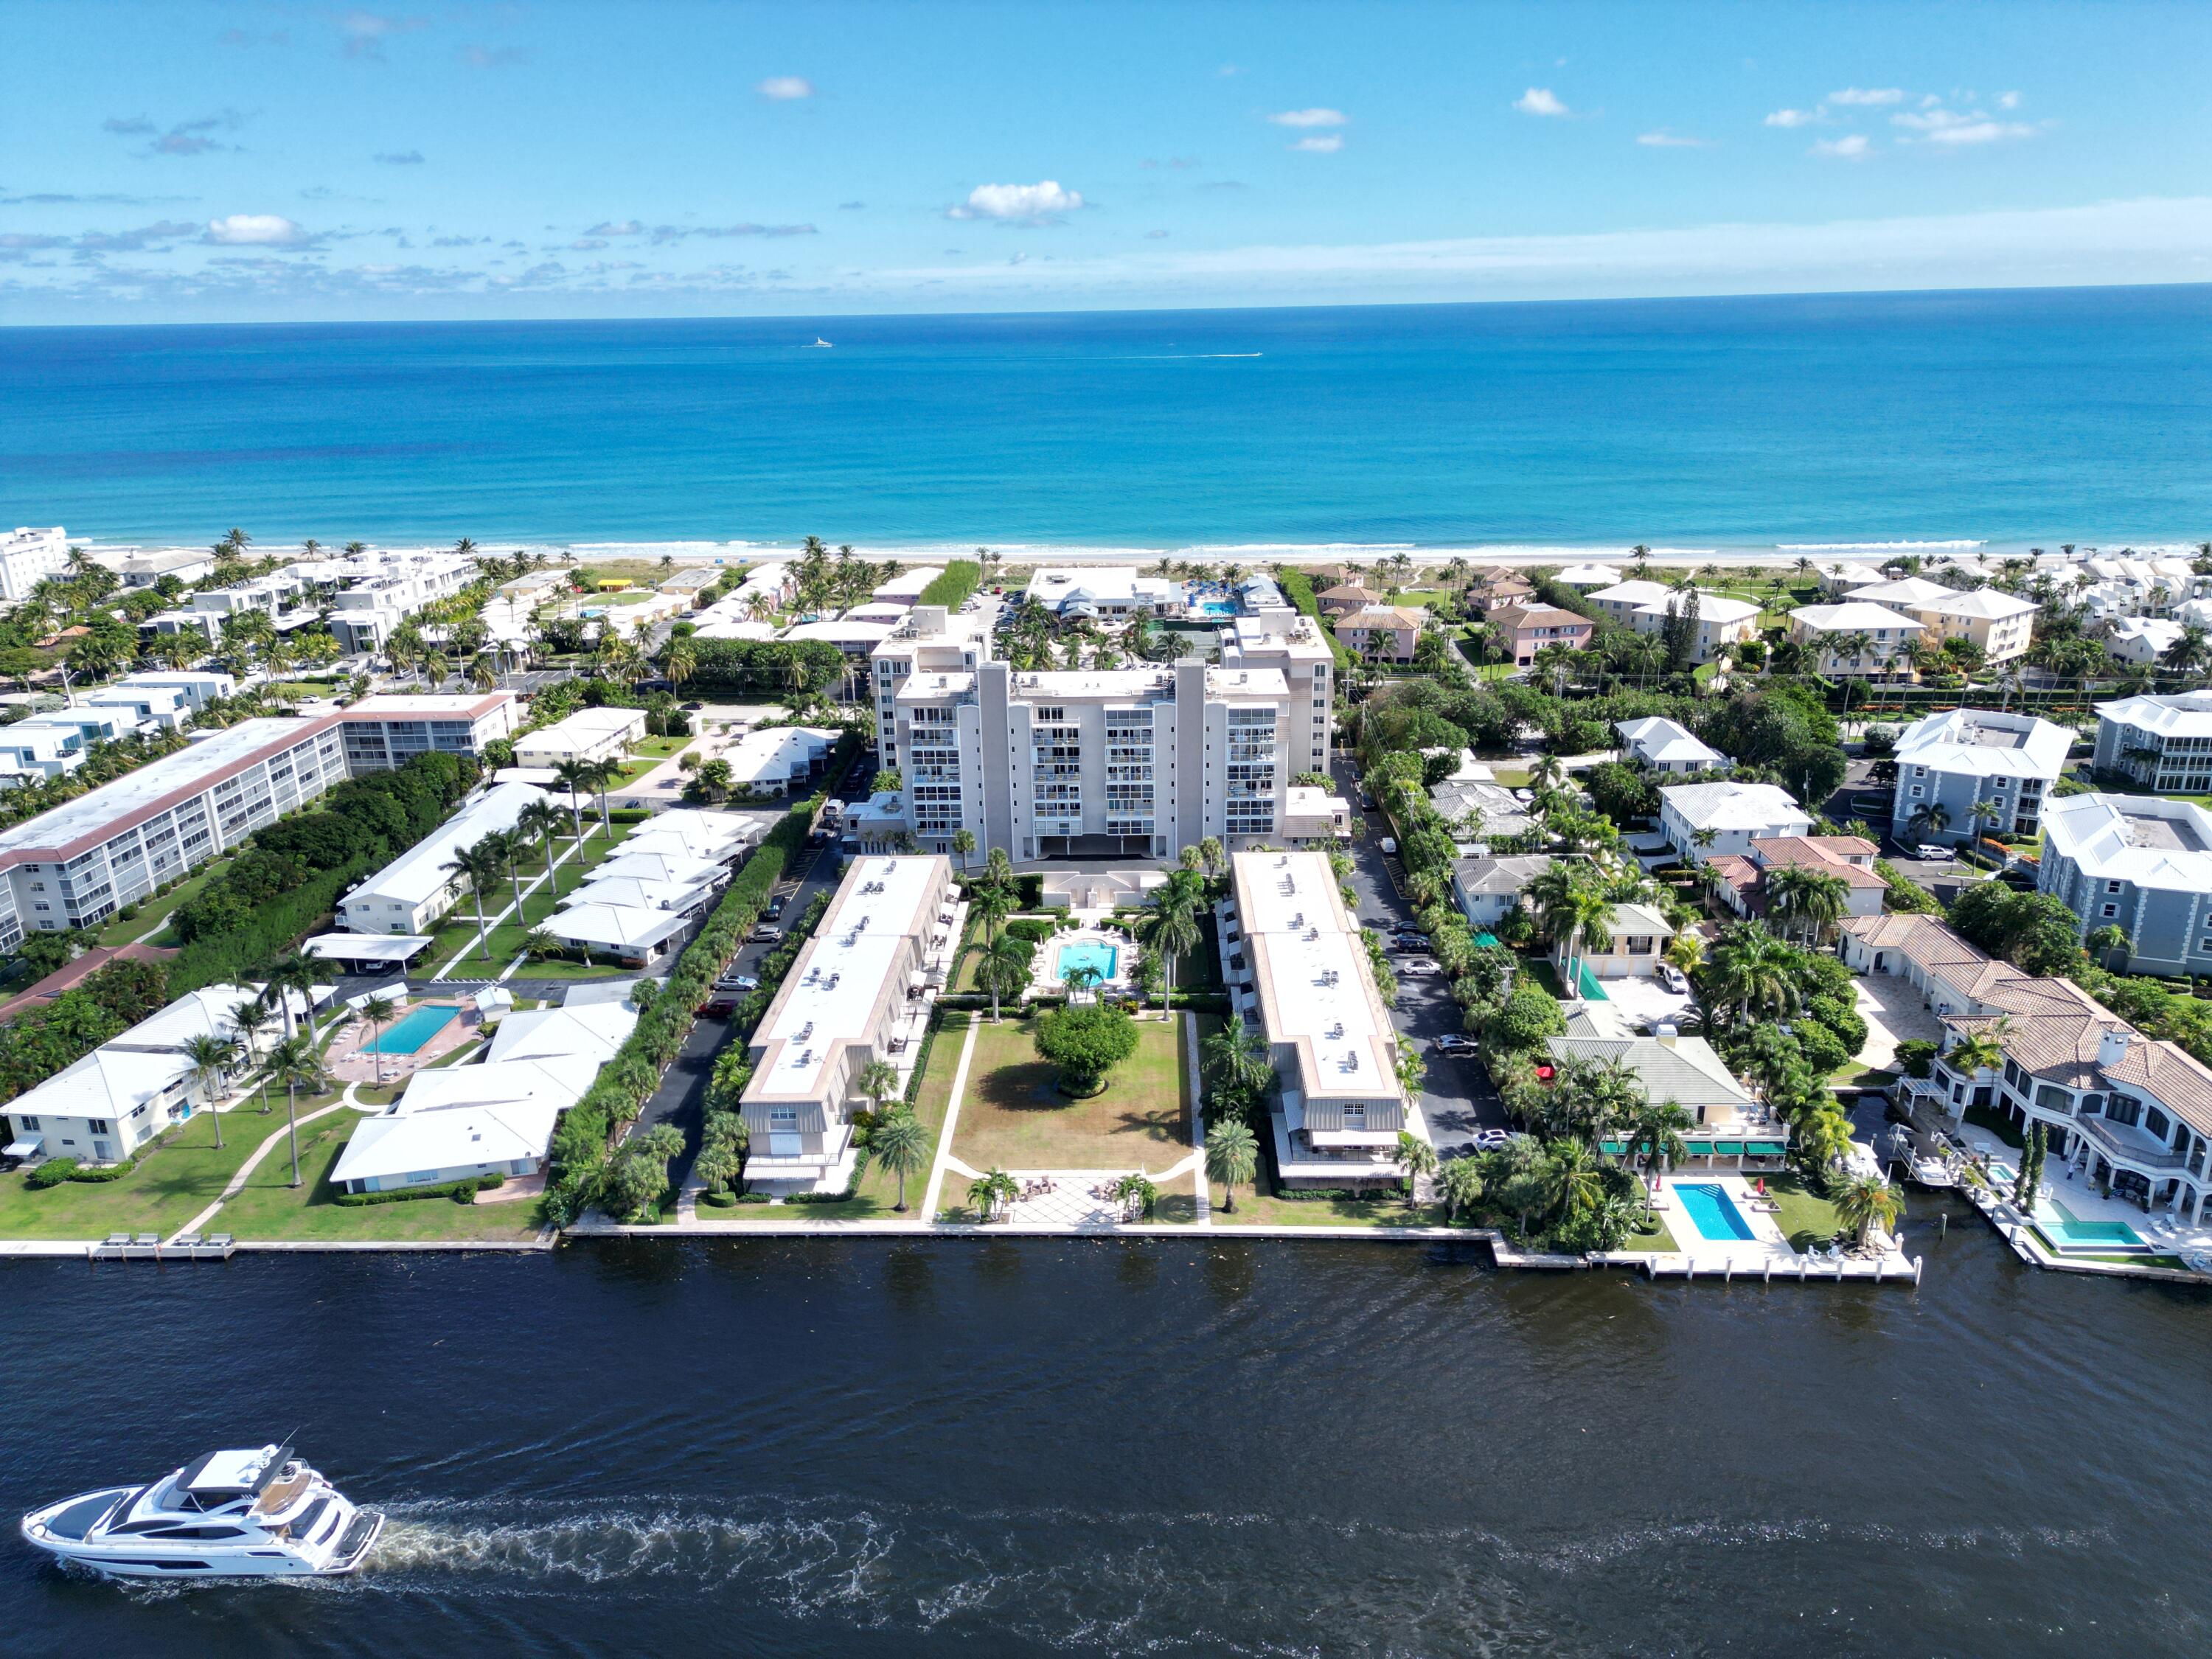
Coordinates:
(1933, 854)
(1419, 968)
(1671, 977)
(1389, 843)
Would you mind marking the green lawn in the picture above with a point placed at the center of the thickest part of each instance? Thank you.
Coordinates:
(567, 970)
(1852, 1075)
(506, 940)
(662, 748)
(1541, 971)
(170, 1184)
(270, 1207)
(1806, 1219)
(154, 912)
(1386, 1210)
(879, 1193)
(1657, 1240)
(1014, 1117)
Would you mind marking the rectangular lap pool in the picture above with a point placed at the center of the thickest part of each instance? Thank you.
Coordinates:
(413, 1029)
(2068, 1237)
(1712, 1212)
(1100, 959)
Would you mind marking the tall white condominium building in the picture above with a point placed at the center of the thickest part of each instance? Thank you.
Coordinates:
(1124, 763)
(2141, 865)
(386, 731)
(2162, 744)
(1968, 758)
(932, 639)
(28, 556)
(76, 865)
(1340, 1109)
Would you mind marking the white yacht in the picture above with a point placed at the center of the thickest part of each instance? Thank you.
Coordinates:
(246, 1514)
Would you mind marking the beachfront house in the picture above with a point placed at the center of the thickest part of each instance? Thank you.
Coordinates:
(1729, 1128)
(1528, 627)
(1644, 607)
(1383, 633)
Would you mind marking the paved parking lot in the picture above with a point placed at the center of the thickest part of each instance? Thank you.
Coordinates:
(1456, 1097)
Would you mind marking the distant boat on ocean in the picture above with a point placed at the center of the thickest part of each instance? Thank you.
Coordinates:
(820, 344)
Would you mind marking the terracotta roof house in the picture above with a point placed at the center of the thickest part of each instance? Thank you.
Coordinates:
(1383, 633)
(1529, 628)
(1345, 598)
(1741, 877)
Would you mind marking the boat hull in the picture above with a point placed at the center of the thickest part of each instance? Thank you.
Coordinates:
(49, 1530)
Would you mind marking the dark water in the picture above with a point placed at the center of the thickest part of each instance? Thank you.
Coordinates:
(1185, 1447)
(2025, 416)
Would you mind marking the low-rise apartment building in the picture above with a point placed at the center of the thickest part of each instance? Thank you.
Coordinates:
(1967, 772)
(589, 734)
(1856, 637)
(76, 865)
(2000, 623)
(1528, 628)
(388, 731)
(839, 1007)
(2138, 863)
(1645, 607)
(1340, 1109)
(2160, 743)
(1739, 878)
(415, 891)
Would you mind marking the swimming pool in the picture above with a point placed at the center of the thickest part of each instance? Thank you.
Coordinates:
(1712, 1212)
(413, 1029)
(2063, 1232)
(1101, 959)
(1215, 607)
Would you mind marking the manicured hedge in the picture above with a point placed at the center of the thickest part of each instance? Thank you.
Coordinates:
(461, 1192)
(579, 1150)
(230, 958)
(1298, 587)
(951, 589)
(52, 1173)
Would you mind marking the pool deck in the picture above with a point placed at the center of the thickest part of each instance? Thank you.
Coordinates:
(1087, 932)
(349, 1061)
(1767, 1254)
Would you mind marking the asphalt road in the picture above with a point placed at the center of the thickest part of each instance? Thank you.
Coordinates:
(1456, 1097)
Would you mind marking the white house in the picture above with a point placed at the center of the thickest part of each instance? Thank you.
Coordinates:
(908, 587)
(149, 707)
(415, 891)
(1635, 935)
(1659, 744)
(1485, 888)
(199, 689)
(105, 1106)
(592, 1034)
(2142, 639)
(1642, 607)
(1735, 814)
(629, 864)
(770, 762)
(459, 1123)
(634, 934)
(589, 734)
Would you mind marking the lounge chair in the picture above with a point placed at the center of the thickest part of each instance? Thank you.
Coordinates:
(219, 1241)
(149, 1239)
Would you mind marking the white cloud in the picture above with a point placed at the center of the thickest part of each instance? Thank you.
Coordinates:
(1867, 95)
(1797, 118)
(255, 230)
(2007, 101)
(1851, 147)
(1326, 144)
(616, 228)
(1041, 204)
(1663, 139)
(1310, 117)
(1981, 132)
(784, 87)
(1541, 101)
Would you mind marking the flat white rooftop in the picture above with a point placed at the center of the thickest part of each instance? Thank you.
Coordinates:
(420, 871)
(182, 774)
(841, 975)
(1311, 974)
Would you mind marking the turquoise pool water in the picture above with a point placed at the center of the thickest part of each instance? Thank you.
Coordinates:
(1101, 959)
(412, 1029)
(1215, 608)
(2058, 1225)
(1712, 1212)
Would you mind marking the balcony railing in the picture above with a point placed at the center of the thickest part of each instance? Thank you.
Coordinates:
(2144, 1153)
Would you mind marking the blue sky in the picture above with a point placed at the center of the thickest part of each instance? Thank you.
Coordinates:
(193, 160)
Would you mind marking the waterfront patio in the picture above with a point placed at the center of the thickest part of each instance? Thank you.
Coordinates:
(350, 1058)
(2074, 1217)
(1767, 1249)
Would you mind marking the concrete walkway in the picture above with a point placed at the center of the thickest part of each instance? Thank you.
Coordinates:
(944, 1159)
(237, 1182)
(1894, 1013)
(1197, 1120)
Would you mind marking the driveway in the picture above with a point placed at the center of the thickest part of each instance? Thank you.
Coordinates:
(1894, 1013)
(1456, 1097)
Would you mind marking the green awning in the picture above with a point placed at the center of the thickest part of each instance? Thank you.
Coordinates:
(1728, 1149)
(1614, 1147)
(1696, 1149)
(1766, 1149)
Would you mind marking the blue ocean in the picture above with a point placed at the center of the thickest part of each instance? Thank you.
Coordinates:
(2004, 418)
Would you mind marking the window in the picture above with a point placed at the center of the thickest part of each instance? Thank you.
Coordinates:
(1355, 1117)
(783, 1132)
(2109, 910)
(28, 1125)
(100, 1126)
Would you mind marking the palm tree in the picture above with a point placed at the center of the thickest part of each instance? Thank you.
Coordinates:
(1170, 926)
(963, 844)
(992, 903)
(878, 1080)
(988, 1191)
(541, 943)
(1461, 1181)
(1240, 1056)
(1231, 1157)
(1932, 817)
(1800, 897)
(1654, 1134)
(604, 776)
(1416, 1158)
(1978, 1051)
(1752, 972)
(1866, 1201)
(2104, 941)
(540, 820)
(210, 1058)
(576, 776)
(302, 973)
(900, 1144)
(1004, 969)
(251, 1017)
(372, 1013)
(294, 1063)
(1575, 1176)
(481, 867)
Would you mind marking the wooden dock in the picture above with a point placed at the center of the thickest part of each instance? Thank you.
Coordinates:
(149, 1246)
